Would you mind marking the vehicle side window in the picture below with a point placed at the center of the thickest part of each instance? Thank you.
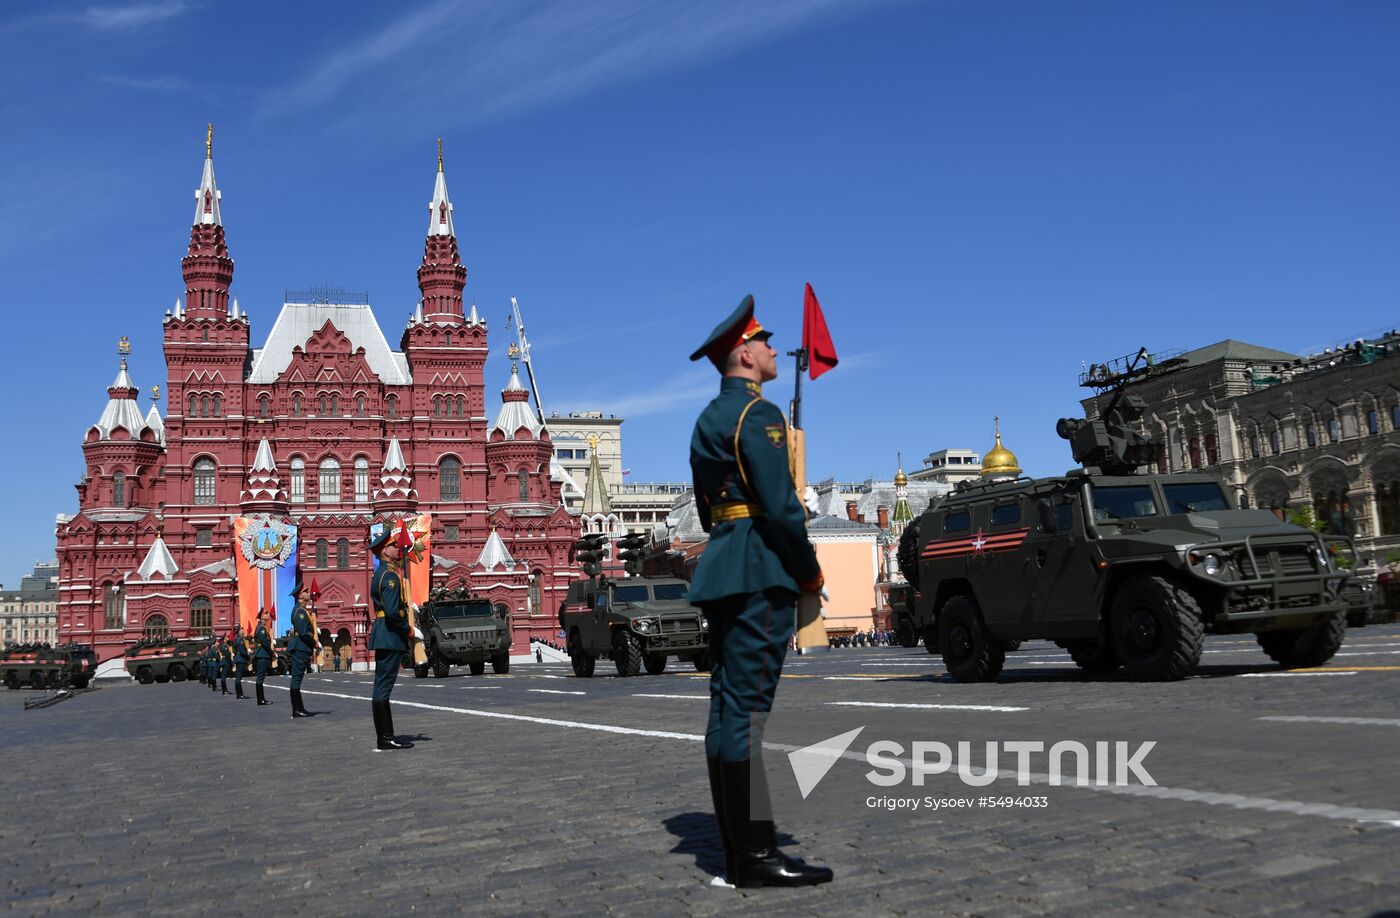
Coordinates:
(957, 522)
(1006, 514)
(600, 602)
(1064, 516)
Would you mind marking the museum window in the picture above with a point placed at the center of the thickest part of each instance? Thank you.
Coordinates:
(393, 406)
(1334, 431)
(201, 615)
(450, 532)
(157, 626)
(361, 479)
(1194, 448)
(335, 403)
(113, 599)
(1311, 433)
(1212, 450)
(204, 538)
(359, 406)
(296, 404)
(329, 484)
(194, 405)
(461, 407)
(449, 479)
(204, 482)
(119, 490)
(342, 554)
(218, 405)
(1388, 506)
(298, 480)
(204, 334)
(263, 406)
(1373, 422)
(524, 485)
(322, 553)
(449, 339)
(1273, 442)
(437, 406)
(1395, 416)
(536, 592)
(322, 405)
(204, 406)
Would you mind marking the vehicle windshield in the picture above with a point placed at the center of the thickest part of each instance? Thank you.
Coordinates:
(630, 594)
(1194, 497)
(462, 610)
(1121, 502)
(665, 591)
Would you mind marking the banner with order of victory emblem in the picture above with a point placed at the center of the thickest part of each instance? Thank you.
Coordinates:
(265, 551)
(419, 558)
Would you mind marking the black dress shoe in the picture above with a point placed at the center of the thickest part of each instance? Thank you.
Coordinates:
(757, 860)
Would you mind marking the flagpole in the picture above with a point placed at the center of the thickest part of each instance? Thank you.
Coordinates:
(811, 630)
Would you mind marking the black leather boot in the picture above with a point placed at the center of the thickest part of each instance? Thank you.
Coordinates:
(717, 796)
(262, 699)
(757, 860)
(299, 709)
(389, 734)
(238, 692)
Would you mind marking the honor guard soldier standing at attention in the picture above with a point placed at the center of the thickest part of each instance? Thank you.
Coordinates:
(757, 561)
(262, 655)
(301, 645)
(389, 638)
(240, 661)
(222, 658)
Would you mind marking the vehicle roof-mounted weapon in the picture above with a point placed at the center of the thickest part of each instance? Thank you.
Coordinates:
(588, 551)
(1111, 441)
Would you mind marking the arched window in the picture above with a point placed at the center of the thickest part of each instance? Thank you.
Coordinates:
(262, 406)
(524, 485)
(536, 593)
(119, 490)
(1273, 443)
(335, 403)
(329, 484)
(201, 615)
(1194, 447)
(360, 405)
(1334, 430)
(113, 606)
(1395, 416)
(204, 334)
(298, 480)
(449, 479)
(361, 479)
(157, 626)
(449, 339)
(322, 553)
(204, 406)
(1388, 505)
(1373, 421)
(218, 405)
(1212, 451)
(437, 406)
(204, 481)
(296, 404)
(393, 405)
(194, 405)
(342, 554)
(461, 407)
(1311, 433)
(322, 405)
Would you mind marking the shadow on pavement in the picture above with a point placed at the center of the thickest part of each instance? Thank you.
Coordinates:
(698, 834)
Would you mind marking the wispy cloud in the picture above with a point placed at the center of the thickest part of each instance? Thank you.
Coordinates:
(146, 84)
(128, 17)
(479, 58)
(689, 387)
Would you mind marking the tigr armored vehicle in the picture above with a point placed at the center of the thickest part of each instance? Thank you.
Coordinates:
(459, 630)
(41, 666)
(637, 622)
(1119, 569)
(164, 659)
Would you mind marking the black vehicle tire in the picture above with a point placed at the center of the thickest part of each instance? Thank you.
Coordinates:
(12, 680)
(1357, 619)
(1157, 628)
(441, 668)
(702, 662)
(627, 653)
(178, 673)
(1093, 656)
(655, 663)
(904, 634)
(1011, 645)
(145, 676)
(163, 679)
(1305, 647)
(500, 663)
(583, 664)
(908, 554)
(478, 668)
(930, 637)
(969, 651)
(36, 679)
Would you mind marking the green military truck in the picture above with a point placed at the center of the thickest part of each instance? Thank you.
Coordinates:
(164, 659)
(1120, 569)
(464, 631)
(40, 666)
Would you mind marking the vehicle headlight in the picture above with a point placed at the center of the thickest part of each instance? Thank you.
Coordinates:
(704, 623)
(643, 624)
(1211, 564)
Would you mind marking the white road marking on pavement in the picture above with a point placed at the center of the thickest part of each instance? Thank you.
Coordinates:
(1270, 675)
(1367, 653)
(1210, 798)
(647, 695)
(942, 707)
(425, 685)
(1362, 721)
(550, 691)
(548, 676)
(478, 688)
(894, 664)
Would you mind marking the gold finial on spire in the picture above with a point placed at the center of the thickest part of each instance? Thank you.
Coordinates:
(209, 142)
(155, 393)
(123, 348)
(439, 154)
(513, 351)
(900, 479)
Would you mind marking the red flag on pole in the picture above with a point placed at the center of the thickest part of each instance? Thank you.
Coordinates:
(821, 352)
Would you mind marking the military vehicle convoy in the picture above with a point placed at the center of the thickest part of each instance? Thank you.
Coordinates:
(164, 659)
(460, 630)
(1120, 569)
(637, 622)
(40, 666)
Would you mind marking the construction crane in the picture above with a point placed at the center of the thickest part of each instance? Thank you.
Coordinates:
(525, 355)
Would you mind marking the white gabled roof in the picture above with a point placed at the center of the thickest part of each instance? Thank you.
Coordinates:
(121, 411)
(494, 553)
(158, 560)
(516, 413)
(153, 421)
(297, 322)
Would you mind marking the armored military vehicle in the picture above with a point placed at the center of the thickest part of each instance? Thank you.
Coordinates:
(164, 659)
(39, 666)
(1118, 568)
(461, 630)
(637, 622)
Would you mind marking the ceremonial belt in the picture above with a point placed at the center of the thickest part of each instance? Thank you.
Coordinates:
(379, 615)
(739, 510)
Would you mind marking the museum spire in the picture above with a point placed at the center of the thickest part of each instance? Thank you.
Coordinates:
(441, 276)
(207, 268)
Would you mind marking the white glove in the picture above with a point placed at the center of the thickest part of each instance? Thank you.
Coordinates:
(826, 597)
(809, 500)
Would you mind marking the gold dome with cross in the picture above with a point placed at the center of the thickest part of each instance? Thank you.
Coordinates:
(999, 460)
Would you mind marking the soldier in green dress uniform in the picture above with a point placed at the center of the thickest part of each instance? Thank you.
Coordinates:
(262, 655)
(221, 658)
(301, 645)
(390, 637)
(756, 563)
(240, 661)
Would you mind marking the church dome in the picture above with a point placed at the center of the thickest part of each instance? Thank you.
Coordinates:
(999, 460)
(900, 479)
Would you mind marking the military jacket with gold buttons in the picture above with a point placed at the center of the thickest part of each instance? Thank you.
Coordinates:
(746, 499)
(301, 640)
(390, 631)
(263, 644)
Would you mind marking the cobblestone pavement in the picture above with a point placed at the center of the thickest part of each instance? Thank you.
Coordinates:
(539, 793)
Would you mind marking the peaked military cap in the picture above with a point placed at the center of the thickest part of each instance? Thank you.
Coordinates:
(377, 543)
(739, 328)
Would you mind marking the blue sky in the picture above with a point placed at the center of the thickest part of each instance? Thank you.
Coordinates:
(984, 194)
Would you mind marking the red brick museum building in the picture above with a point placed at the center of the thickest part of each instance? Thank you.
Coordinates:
(325, 427)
